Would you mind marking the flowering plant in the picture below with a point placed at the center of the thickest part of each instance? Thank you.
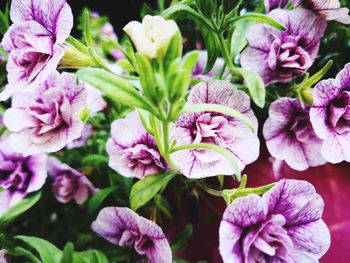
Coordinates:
(103, 138)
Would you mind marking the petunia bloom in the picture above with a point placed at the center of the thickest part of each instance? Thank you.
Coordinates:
(47, 119)
(153, 36)
(19, 175)
(330, 116)
(289, 135)
(85, 135)
(274, 4)
(3, 256)
(68, 183)
(202, 62)
(215, 128)
(132, 151)
(284, 225)
(328, 9)
(34, 41)
(278, 56)
(123, 227)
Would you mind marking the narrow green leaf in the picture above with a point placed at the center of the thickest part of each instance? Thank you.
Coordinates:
(20, 251)
(255, 86)
(221, 109)
(47, 251)
(145, 189)
(67, 256)
(174, 51)
(260, 18)
(146, 77)
(238, 40)
(87, 28)
(317, 76)
(115, 87)
(19, 209)
(181, 9)
(213, 49)
(98, 198)
(180, 241)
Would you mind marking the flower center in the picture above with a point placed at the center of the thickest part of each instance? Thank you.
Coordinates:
(288, 57)
(143, 155)
(339, 113)
(267, 240)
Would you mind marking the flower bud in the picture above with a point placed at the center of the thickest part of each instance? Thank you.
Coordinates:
(153, 36)
(74, 58)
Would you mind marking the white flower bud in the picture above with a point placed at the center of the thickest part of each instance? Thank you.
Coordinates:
(152, 37)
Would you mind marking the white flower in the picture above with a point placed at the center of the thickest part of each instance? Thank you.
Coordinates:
(152, 37)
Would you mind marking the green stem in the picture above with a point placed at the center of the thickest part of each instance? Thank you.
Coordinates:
(166, 147)
(225, 52)
(209, 190)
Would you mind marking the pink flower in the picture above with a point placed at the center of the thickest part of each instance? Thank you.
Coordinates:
(68, 183)
(284, 225)
(19, 175)
(330, 116)
(279, 56)
(328, 9)
(123, 227)
(290, 137)
(47, 120)
(132, 151)
(215, 128)
(34, 41)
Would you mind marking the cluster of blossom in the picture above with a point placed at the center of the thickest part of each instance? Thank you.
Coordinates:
(283, 225)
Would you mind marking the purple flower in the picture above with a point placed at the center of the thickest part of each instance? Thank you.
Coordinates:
(284, 225)
(290, 137)
(47, 119)
(328, 9)
(94, 100)
(34, 41)
(117, 54)
(278, 56)
(108, 30)
(274, 4)
(19, 175)
(330, 116)
(132, 151)
(123, 227)
(81, 141)
(68, 183)
(3, 256)
(202, 62)
(215, 128)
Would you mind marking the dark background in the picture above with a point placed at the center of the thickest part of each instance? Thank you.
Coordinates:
(120, 12)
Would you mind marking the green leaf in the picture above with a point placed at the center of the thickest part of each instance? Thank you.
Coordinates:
(96, 159)
(145, 189)
(174, 51)
(180, 241)
(182, 9)
(259, 18)
(98, 198)
(146, 77)
(255, 86)
(19, 209)
(126, 65)
(115, 87)
(67, 256)
(213, 49)
(87, 28)
(20, 251)
(238, 40)
(91, 256)
(221, 109)
(317, 76)
(47, 251)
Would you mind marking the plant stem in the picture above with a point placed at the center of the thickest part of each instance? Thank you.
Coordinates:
(166, 147)
(225, 52)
